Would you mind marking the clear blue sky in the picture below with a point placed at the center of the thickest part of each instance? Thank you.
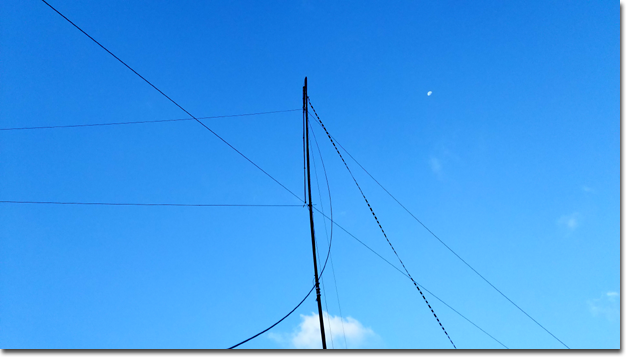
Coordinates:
(513, 160)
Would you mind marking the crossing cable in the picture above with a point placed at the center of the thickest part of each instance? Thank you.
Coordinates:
(170, 99)
(223, 140)
(407, 276)
(292, 310)
(332, 264)
(153, 204)
(140, 122)
(320, 273)
(443, 243)
(380, 226)
(211, 131)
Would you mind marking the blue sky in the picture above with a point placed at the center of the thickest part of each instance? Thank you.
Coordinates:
(513, 161)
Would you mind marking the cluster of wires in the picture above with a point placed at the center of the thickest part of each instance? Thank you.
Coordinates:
(325, 217)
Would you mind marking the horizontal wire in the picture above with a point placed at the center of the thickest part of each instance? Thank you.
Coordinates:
(202, 124)
(154, 204)
(223, 140)
(139, 122)
(171, 100)
(249, 205)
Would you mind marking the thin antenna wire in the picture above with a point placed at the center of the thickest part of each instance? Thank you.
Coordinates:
(319, 193)
(383, 230)
(140, 122)
(171, 100)
(445, 245)
(296, 307)
(223, 140)
(406, 276)
(343, 330)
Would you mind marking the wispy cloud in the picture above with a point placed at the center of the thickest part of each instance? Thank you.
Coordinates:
(586, 188)
(436, 165)
(570, 221)
(606, 306)
(340, 330)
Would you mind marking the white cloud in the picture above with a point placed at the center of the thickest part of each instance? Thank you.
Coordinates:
(570, 221)
(338, 330)
(606, 306)
(429, 93)
(436, 165)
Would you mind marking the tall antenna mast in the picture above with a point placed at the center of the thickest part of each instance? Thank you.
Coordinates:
(310, 211)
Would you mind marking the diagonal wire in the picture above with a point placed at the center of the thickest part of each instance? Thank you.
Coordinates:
(381, 227)
(223, 140)
(313, 287)
(446, 245)
(406, 276)
(214, 133)
(139, 122)
(171, 100)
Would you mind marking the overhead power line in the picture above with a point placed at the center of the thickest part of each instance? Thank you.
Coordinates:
(441, 241)
(381, 227)
(153, 204)
(141, 122)
(170, 99)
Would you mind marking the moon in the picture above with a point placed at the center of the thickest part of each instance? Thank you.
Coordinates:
(429, 93)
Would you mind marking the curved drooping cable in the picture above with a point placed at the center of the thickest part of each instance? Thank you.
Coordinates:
(276, 323)
(319, 193)
(343, 330)
(320, 273)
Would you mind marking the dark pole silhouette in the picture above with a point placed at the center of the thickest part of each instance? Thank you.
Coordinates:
(310, 212)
